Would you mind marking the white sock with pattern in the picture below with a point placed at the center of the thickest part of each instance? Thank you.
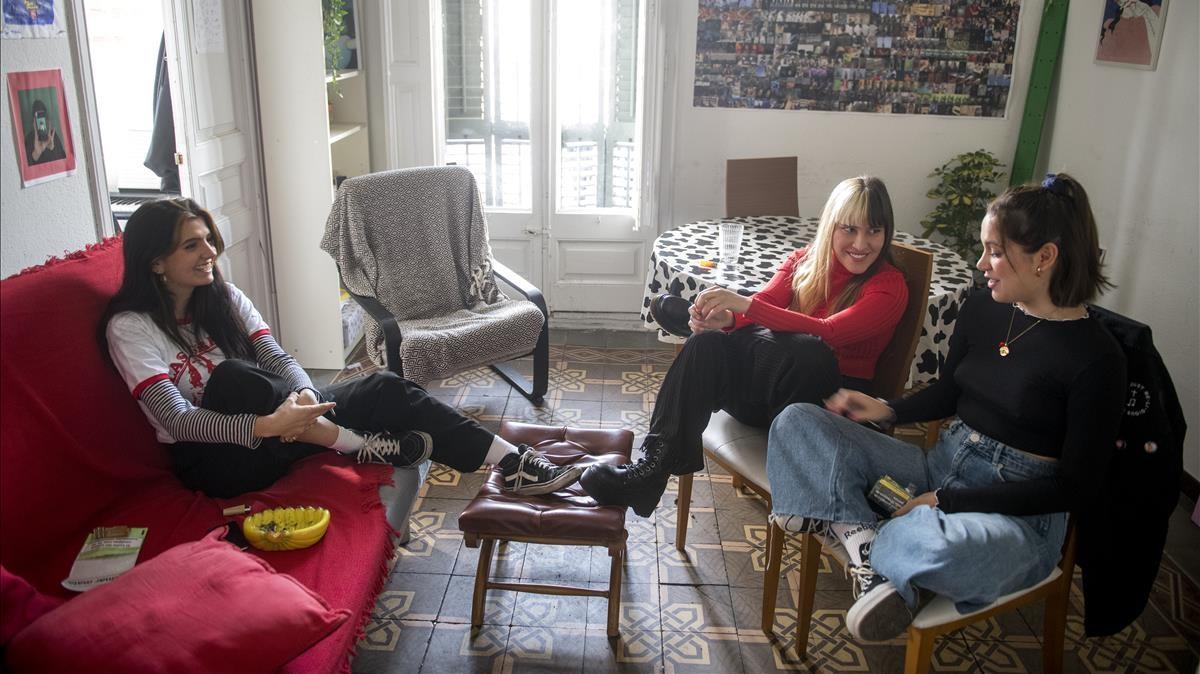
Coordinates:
(856, 538)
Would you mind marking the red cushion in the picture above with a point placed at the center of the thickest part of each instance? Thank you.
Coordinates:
(20, 604)
(199, 607)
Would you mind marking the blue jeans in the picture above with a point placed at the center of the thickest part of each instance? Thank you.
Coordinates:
(821, 465)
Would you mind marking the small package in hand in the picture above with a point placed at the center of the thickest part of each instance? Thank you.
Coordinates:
(888, 496)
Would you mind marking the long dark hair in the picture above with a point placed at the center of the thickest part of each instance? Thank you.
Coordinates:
(1056, 211)
(152, 233)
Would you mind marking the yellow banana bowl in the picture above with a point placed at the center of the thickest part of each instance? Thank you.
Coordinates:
(286, 528)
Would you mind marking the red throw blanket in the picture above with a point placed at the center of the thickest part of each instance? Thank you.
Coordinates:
(77, 453)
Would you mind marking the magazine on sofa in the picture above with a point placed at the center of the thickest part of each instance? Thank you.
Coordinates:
(107, 553)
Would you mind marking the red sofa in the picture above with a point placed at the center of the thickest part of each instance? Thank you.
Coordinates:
(77, 453)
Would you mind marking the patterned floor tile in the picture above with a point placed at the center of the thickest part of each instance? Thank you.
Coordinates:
(695, 652)
(576, 380)
(635, 383)
(640, 563)
(557, 611)
(392, 646)
(456, 606)
(634, 652)
(697, 608)
(411, 596)
(702, 496)
(480, 381)
(633, 416)
(640, 604)
(445, 482)
(487, 411)
(457, 649)
(702, 525)
(435, 538)
(542, 649)
(696, 564)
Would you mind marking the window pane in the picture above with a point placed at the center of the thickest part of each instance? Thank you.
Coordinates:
(488, 69)
(596, 62)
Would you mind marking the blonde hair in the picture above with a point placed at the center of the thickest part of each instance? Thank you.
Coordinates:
(861, 201)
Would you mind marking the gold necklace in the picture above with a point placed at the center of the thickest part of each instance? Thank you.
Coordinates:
(1004, 350)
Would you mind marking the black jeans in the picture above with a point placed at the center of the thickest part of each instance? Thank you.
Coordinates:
(752, 373)
(383, 401)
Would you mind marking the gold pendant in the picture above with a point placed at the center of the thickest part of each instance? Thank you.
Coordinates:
(1003, 350)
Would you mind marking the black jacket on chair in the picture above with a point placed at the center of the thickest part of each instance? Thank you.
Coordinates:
(1121, 538)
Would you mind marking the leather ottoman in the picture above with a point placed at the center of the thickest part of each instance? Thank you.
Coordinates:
(566, 517)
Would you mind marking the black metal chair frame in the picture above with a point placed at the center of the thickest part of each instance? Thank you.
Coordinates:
(534, 391)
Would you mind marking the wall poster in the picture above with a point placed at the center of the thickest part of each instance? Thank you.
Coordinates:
(31, 18)
(41, 126)
(1131, 32)
(940, 57)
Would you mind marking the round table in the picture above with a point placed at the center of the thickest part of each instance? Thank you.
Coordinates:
(766, 241)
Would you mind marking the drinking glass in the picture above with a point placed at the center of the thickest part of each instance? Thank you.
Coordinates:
(730, 243)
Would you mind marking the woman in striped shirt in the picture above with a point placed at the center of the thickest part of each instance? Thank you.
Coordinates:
(234, 408)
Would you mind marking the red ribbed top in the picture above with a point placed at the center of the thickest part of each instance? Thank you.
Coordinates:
(858, 333)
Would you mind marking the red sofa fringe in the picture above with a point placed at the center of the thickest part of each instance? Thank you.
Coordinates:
(88, 250)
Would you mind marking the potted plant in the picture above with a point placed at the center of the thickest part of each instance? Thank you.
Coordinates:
(333, 24)
(964, 189)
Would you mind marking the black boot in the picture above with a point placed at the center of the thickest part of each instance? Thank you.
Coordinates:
(639, 485)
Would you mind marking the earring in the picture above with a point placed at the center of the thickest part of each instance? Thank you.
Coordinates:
(1039, 270)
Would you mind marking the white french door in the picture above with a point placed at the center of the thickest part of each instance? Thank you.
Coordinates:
(543, 100)
(208, 47)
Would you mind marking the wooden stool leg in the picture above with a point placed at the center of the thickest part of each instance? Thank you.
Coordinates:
(810, 559)
(932, 428)
(481, 578)
(614, 589)
(919, 654)
(683, 510)
(775, 540)
(738, 482)
(1054, 628)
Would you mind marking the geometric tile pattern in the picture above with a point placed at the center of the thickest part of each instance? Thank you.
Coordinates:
(696, 611)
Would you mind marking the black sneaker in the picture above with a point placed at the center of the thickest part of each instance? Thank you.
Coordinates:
(671, 314)
(402, 450)
(799, 524)
(879, 612)
(530, 473)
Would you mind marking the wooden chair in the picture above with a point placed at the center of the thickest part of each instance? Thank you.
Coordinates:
(742, 450)
(761, 187)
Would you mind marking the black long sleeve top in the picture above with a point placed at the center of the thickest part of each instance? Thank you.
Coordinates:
(1059, 393)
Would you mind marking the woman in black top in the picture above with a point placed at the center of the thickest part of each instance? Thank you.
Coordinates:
(1038, 388)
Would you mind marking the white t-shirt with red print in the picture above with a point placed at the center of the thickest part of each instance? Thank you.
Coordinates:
(145, 355)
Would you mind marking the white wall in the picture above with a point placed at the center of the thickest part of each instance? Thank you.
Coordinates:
(51, 218)
(1138, 154)
(900, 149)
(1129, 135)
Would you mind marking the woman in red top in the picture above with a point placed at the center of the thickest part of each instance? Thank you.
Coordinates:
(819, 325)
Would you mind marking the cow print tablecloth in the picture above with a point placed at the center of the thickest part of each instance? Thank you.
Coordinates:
(767, 240)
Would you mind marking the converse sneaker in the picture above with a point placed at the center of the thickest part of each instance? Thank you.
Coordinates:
(529, 473)
(879, 612)
(402, 450)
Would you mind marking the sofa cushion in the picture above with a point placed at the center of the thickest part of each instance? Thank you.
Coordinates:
(20, 604)
(198, 607)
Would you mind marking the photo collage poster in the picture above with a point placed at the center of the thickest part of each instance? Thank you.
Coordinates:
(948, 57)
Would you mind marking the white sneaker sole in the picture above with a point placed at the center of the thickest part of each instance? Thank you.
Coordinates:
(879, 615)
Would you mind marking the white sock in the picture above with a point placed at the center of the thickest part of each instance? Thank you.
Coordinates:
(348, 442)
(856, 538)
(499, 449)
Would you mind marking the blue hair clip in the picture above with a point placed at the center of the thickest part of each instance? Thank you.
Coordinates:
(1056, 185)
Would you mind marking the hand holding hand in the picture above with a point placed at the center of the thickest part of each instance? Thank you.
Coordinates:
(715, 300)
(928, 498)
(718, 320)
(858, 406)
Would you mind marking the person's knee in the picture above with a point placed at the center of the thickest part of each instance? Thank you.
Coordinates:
(796, 417)
(238, 386)
(707, 342)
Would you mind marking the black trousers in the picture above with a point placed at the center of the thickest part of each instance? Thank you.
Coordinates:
(752, 373)
(383, 401)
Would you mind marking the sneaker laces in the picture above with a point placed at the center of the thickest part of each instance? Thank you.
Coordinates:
(379, 446)
(864, 578)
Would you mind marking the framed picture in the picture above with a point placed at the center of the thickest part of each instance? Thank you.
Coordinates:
(41, 126)
(31, 18)
(1131, 33)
